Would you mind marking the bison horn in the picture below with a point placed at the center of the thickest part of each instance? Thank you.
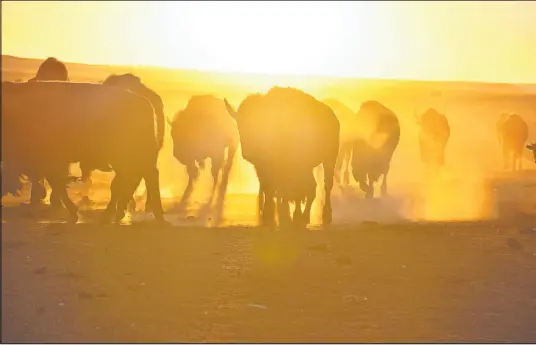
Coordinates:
(230, 109)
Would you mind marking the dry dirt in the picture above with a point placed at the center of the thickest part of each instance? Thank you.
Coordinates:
(472, 281)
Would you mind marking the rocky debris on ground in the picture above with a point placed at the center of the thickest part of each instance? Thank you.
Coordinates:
(257, 306)
(354, 299)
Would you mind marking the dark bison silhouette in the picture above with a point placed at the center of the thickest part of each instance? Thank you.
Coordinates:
(434, 134)
(204, 129)
(348, 134)
(88, 122)
(513, 133)
(373, 151)
(132, 83)
(285, 133)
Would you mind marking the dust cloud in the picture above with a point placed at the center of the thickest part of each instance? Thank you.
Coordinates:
(469, 187)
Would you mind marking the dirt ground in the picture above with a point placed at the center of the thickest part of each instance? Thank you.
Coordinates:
(472, 281)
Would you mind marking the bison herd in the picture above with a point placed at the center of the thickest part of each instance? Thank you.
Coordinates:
(118, 124)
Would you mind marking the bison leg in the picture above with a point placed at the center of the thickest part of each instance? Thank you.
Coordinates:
(38, 191)
(517, 161)
(152, 181)
(57, 183)
(384, 185)
(148, 201)
(115, 191)
(347, 159)
(370, 193)
(129, 185)
(268, 202)
(217, 165)
(87, 184)
(364, 186)
(193, 173)
(268, 209)
(260, 203)
(339, 166)
(283, 211)
(329, 168)
(55, 198)
(342, 165)
(297, 217)
(384, 182)
(231, 152)
(311, 196)
(266, 197)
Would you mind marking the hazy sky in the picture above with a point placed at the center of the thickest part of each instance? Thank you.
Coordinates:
(490, 41)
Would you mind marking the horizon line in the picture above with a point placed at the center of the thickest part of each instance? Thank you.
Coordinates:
(275, 75)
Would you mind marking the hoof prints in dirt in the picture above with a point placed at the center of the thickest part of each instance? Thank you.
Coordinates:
(70, 275)
(15, 244)
(319, 247)
(343, 260)
(41, 270)
(514, 244)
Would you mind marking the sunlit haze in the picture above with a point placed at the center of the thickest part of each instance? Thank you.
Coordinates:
(481, 41)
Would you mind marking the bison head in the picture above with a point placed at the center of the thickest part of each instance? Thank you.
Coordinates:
(256, 129)
(51, 69)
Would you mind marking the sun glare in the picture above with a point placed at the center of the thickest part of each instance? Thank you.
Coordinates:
(267, 37)
(382, 39)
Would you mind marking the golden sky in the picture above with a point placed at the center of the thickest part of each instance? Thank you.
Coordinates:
(484, 41)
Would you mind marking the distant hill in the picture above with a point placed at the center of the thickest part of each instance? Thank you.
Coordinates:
(24, 68)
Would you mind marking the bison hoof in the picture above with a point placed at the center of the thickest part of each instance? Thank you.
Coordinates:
(86, 202)
(285, 220)
(162, 222)
(327, 219)
(57, 204)
(268, 222)
(105, 220)
(73, 218)
(300, 223)
(131, 207)
(119, 217)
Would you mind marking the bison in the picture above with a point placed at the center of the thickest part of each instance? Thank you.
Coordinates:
(348, 135)
(52, 124)
(373, 151)
(434, 135)
(132, 83)
(513, 134)
(285, 133)
(204, 129)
